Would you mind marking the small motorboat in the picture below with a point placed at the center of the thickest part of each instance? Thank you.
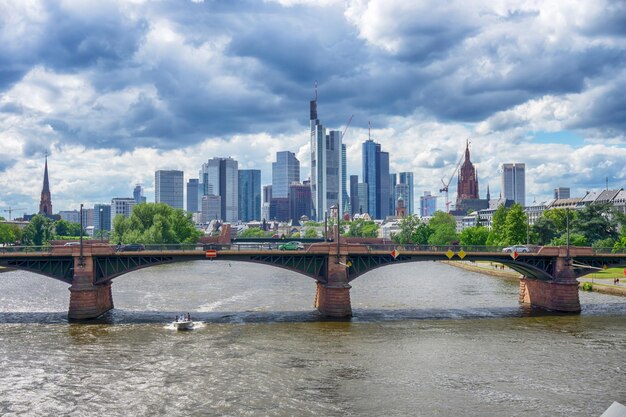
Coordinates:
(183, 322)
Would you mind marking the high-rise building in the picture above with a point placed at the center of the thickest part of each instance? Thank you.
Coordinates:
(192, 195)
(402, 192)
(123, 206)
(285, 171)
(362, 206)
(561, 193)
(102, 216)
(326, 166)
(393, 180)
(428, 204)
(169, 188)
(72, 216)
(409, 202)
(299, 201)
(249, 194)
(514, 182)
(45, 202)
(219, 176)
(138, 194)
(467, 188)
(354, 194)
(211, 207)
(376, 176)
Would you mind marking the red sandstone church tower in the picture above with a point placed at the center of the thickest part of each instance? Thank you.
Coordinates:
(468, 180)
(45, 203)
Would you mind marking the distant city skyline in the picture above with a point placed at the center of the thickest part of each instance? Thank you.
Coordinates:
(163, 94)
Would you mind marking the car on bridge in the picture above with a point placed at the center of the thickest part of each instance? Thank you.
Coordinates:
(131, 247)
(291, 246)
(516, 248)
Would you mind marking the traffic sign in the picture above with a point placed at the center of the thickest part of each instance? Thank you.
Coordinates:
(449, 254)
(514, 254)
(211, 253)
(395, 253)
(462, 254)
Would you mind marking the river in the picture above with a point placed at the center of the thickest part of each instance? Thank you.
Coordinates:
(426, 339)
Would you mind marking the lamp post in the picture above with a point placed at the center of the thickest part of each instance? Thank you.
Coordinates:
(81, 259)
(326, 226)
(101, 210)
(527, 229)
(336, 234)
(567, 231)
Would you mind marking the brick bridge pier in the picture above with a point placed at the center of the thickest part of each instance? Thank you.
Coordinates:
(88, 300)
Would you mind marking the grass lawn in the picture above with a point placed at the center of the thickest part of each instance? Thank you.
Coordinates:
(608, 274)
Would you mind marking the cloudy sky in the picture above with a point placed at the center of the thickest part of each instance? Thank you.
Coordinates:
(114, 90)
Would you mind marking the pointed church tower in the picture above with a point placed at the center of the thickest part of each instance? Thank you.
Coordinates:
(45, 203)
(467, 188)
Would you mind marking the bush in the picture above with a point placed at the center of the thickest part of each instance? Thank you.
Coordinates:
(587, 286)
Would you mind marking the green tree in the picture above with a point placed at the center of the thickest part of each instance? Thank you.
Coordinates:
(474, 236)
(254, 232)
(544, 230)
(515, 226)
(496, 234)
(65, 228)
(310, 233)
(10, 233)
(443, 227)
(38, 232)
(155, 223)
(596, 222)
(362, 228)
(575, 239)
(412, 230)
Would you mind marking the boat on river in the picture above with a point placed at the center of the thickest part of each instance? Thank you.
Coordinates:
(183, 322)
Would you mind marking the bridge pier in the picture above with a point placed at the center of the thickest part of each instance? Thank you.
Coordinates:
(88, 301)
(560, 294)
(332, 298)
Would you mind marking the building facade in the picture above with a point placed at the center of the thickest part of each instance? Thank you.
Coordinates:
(326, 167)
(45, 202)
(219, 176)
(169, 188)
(138, 194)
(467, 186)
(102, 216)
(409, 202)
(249, 195)
(561, 193)
(514, 182)
(376, 176)
(193, 188)
(123, 206)
(428, 204)
(299, 201)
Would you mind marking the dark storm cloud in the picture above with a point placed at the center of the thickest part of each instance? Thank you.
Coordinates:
(262, 78)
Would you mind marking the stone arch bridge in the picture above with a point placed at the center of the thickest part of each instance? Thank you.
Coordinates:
(547, 276)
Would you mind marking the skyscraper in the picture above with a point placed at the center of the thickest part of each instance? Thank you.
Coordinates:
(514, 182)
(326, 166)
(345, 199)
(138, 194)
(299, 201)
(168, 188)
(409, 202)
(45, 202)
(285, 170)
(192, 195)
(219, 176)
(376, 176)
(428, 204)
(249, 194)
(354, 194)
(561, 193)
(102, 216)
(393, 181)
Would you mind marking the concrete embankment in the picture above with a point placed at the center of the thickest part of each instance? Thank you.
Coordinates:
(511, 275)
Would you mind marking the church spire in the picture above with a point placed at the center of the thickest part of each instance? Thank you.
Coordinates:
(45, 203)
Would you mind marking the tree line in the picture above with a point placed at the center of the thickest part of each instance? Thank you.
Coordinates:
(599, 225)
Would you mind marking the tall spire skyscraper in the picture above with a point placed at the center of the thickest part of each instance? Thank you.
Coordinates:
(467, 188)
(45, 202)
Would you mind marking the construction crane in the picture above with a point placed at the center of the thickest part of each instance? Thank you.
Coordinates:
(347, 126)
(10, 210)
(447, 184)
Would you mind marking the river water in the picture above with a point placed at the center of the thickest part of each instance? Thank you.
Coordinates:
(426, 339)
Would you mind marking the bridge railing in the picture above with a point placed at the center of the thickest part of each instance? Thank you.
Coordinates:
(26, 249)
(444, 248)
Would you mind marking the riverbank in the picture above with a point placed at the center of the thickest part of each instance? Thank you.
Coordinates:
(5, 269)
(508, 274)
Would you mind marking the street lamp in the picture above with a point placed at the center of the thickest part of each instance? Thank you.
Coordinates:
(81, 259)
(101, 210)
(336, 234)
(567, 230)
